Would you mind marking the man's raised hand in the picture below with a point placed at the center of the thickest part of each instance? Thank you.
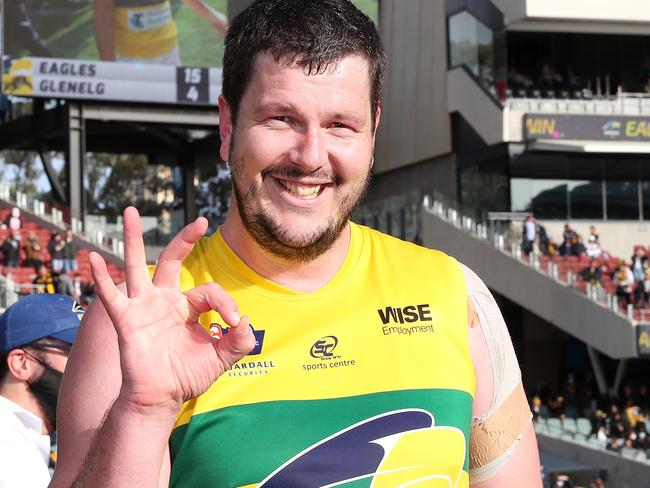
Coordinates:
(166, 356)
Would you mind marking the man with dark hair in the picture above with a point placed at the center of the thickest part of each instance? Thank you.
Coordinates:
(360, 359)
(35, 337)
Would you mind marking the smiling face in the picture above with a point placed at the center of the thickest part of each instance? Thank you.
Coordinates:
(300, 153)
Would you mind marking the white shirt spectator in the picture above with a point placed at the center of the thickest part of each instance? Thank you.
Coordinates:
(24, 450)
(531, 230)
(592, 249)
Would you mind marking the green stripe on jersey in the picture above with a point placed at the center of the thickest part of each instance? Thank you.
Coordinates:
(242, 445)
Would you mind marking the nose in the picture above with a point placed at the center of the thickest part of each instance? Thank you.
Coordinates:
(310, 150)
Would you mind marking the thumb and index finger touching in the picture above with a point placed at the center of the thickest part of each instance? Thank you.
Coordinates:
(167, 274)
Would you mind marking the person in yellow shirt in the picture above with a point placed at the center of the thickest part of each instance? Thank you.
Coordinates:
(144, 30)
(44, 283)
(293, 347)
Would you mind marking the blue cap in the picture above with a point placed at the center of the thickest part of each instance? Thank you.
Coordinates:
(38, 316)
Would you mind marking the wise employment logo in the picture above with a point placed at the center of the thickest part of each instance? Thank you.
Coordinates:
(396, 448)
(217, 332)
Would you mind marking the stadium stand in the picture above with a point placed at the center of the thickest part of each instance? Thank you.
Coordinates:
(20, 280)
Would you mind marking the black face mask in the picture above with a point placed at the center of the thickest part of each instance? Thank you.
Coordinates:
(46, 390)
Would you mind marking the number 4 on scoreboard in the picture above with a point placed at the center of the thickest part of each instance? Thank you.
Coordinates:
(192, 85)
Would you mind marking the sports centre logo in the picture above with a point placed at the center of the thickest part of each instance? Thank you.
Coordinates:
(397, 448)
(323, 350)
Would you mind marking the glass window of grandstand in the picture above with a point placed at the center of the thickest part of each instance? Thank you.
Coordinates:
(471, 43)
(615, 190)
(568, 65)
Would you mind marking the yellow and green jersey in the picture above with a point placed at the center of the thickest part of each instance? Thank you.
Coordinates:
(365, 382)
(144, 29)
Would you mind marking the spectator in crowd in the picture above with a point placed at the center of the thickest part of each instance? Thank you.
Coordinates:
(35, 337)
(13, 220)
(33, 251)
(569, 237)
(578, 249)
(624, 279)
(639, 268)
(71, 285)
(530, 234)
(69, 253)
(56, 247)
(44, 281)
(594, 233)
(11, 249)
(546, 246)
(592, 249)
(5, 108)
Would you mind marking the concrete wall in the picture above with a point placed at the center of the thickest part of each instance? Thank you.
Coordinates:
(590, 10)
(415, 124)
(634, 11)
(618, 238)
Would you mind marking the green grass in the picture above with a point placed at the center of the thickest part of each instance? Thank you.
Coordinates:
(200, 43)
(370, 8)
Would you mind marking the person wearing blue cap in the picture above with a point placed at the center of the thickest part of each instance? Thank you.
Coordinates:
(36, 334)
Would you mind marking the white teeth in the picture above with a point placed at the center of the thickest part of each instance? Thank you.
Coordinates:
(308, 192)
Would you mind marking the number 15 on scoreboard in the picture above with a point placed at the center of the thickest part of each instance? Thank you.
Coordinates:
(192, 85)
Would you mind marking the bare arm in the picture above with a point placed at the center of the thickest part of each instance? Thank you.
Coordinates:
(104, 29)
(216, 18)
(90, 385)
(137, 359)
(520, 456)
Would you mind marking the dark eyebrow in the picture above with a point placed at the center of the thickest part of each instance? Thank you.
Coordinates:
(274, 107)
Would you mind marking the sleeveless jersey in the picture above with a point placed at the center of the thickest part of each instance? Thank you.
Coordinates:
(144, 29)
(365, 382)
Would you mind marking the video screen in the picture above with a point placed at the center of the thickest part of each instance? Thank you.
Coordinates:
(151, 51)
(161, 51)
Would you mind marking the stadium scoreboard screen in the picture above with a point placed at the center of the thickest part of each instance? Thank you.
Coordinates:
(155, 51)
(151, 51)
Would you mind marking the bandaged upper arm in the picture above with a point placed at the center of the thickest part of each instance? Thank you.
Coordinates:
(496, 431)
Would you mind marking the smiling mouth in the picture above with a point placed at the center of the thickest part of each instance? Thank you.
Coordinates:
(305, 191)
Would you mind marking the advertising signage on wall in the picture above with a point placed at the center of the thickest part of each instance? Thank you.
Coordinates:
(155, 51)
(587, 127)
(643, 339)
(159, 51)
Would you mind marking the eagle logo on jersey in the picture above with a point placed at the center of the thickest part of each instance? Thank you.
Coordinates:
(398, 448)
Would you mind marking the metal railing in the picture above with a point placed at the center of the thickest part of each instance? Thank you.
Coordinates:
(105, 238)
(502, 235)
(621, 104)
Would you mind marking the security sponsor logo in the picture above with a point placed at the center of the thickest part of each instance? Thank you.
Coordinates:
(217, 332)
(244, 367)
(396, 448)
(323, 350)
(403, 317)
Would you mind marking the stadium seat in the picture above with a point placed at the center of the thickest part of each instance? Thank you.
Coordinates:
(583, 426)
(570, 425)
(554, 426)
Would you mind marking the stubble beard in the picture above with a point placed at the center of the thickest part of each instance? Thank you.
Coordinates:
(272, 237)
